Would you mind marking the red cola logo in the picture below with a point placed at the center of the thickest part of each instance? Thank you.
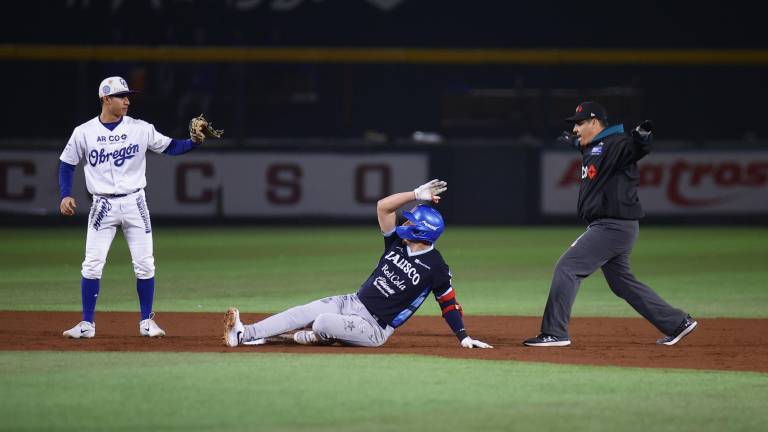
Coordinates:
(681, 175)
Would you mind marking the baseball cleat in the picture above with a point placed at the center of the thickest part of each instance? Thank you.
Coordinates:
(305, 337)
(233, 328)
(545, 340)
(148, 327)
(308, 337)
(83, 330)
(685, 328)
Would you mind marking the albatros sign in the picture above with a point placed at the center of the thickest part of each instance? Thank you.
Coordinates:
(671, 183)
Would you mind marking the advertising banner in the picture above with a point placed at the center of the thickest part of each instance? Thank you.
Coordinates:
(671, 183)
(243, 184)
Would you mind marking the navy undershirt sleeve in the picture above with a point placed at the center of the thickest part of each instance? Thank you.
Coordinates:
(66, 174)
(178, 147)
(456, 322)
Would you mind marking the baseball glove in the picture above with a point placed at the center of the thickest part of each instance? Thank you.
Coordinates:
(200, 129)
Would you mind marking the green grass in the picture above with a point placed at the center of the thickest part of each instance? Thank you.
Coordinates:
(711, 272)
(171, 391)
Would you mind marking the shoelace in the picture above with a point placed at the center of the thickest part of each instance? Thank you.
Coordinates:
(683, 326)
(151, 324)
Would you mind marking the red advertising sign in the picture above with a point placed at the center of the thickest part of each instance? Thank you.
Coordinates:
(671, 183)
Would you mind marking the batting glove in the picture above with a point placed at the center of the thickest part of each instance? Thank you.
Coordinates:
(468, 342)
(429, 191)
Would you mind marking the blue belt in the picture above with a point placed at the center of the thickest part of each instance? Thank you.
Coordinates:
(118, 195)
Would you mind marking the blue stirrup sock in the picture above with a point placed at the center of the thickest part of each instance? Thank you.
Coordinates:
(146, 290)
(89, 289)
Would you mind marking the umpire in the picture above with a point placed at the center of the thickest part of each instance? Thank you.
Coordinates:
(608, 201)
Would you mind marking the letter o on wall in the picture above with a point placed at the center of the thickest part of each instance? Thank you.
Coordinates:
(367, 171)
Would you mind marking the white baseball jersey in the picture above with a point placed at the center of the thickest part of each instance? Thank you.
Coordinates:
(115, 160)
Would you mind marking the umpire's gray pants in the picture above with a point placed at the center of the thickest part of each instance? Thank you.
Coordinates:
(605, 244)
(340, 318)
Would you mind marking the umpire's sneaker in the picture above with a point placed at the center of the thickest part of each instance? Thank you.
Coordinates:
(83, 330)
(685, 328)
(545, 340)
(233, 328)
(149, 327)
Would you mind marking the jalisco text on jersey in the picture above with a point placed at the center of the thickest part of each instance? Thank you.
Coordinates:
(405, 266)
(119, 157)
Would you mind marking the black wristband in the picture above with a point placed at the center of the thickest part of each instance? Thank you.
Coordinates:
(461, 334)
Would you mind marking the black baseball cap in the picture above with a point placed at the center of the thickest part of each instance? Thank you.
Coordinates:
(588, 110)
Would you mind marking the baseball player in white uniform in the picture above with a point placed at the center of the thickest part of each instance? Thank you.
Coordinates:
(112, 147)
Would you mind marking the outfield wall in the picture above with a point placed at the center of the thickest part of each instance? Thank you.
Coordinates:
(489, 184)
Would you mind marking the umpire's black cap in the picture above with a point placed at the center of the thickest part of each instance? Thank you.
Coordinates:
(588, 110)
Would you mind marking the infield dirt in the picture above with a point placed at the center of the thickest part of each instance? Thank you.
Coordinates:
(717, 344)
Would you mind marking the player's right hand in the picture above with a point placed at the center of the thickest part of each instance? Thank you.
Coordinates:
(468, 342)
(429, 191)
(67, 206)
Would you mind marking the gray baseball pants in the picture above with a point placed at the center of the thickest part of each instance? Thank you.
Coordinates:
(340, 318)
(606, 244)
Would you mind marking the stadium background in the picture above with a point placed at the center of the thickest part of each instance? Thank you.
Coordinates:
(471, 93)
(328, 105)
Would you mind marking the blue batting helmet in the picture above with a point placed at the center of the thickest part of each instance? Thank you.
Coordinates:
(427, 224)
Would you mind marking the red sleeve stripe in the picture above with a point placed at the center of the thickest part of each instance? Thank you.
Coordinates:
(453, 307)
(449, 295)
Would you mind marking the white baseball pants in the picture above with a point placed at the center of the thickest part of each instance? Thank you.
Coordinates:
(340, 318)
(132, 214)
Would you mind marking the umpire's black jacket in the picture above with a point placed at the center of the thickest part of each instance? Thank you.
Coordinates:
(609, 176)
